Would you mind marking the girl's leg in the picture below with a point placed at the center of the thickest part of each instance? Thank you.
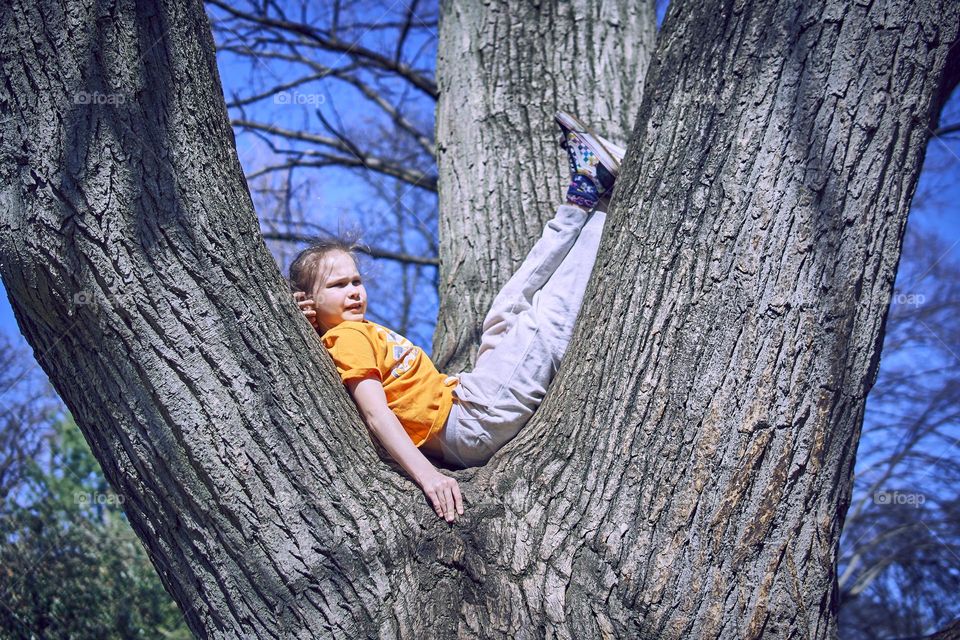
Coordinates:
(559, 235)
(594, 164)
(530, 323)
(498, 397)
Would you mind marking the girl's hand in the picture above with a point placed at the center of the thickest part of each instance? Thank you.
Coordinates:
(444, 494)
(306, 306)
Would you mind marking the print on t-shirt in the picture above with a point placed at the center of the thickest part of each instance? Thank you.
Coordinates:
(400, 346)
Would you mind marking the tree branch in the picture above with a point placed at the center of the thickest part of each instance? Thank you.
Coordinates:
(332, 43)
(373, 163)
(948, 128)
(322, 71)
(373, 252)
(276, 89)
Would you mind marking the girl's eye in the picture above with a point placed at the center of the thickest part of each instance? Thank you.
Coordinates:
(343, 284)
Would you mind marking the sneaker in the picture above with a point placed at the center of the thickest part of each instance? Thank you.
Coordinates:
(594, 161)
(615, 150)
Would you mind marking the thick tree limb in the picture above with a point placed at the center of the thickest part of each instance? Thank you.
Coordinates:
(132, 256)
(505, 69)
(708, 412)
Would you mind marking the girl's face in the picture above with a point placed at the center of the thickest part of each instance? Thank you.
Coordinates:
(338, 293)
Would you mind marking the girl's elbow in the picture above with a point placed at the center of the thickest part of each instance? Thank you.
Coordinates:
(376, 422)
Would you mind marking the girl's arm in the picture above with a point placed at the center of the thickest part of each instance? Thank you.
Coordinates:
(443, 491)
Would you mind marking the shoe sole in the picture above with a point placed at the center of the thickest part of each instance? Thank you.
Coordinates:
(606, 156)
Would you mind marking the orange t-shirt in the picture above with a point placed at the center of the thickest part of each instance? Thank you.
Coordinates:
(419, 395)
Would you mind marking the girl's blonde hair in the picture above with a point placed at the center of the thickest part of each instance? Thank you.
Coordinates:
(303, 269)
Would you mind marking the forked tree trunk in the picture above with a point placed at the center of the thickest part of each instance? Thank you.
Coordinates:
(503, 69)
(688, 475)
(690, 470)
(133, 259)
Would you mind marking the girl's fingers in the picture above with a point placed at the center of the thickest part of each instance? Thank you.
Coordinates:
(448, 511)
(458, 499)
(435, 501)
(442, 503)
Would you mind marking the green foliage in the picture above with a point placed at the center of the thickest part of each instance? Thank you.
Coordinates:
(70, 565)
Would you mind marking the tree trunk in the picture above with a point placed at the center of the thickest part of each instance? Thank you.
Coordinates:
(688, 474)
(711, 402)
(134, 263)
(504, 68)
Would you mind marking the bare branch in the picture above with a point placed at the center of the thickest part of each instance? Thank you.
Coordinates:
(373, 163)
(341, 74)
(950, 632)
(373, 252)
(405, 31)
(332, 43)
(422, 139)
(948, 128)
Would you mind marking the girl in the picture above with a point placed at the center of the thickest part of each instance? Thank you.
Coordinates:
(410, 406)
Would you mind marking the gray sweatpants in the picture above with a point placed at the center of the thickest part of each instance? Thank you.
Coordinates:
(525, 335)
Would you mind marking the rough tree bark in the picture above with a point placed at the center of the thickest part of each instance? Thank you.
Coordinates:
(712, 400)
(132, 257)
(688, 474)
(503, 69)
